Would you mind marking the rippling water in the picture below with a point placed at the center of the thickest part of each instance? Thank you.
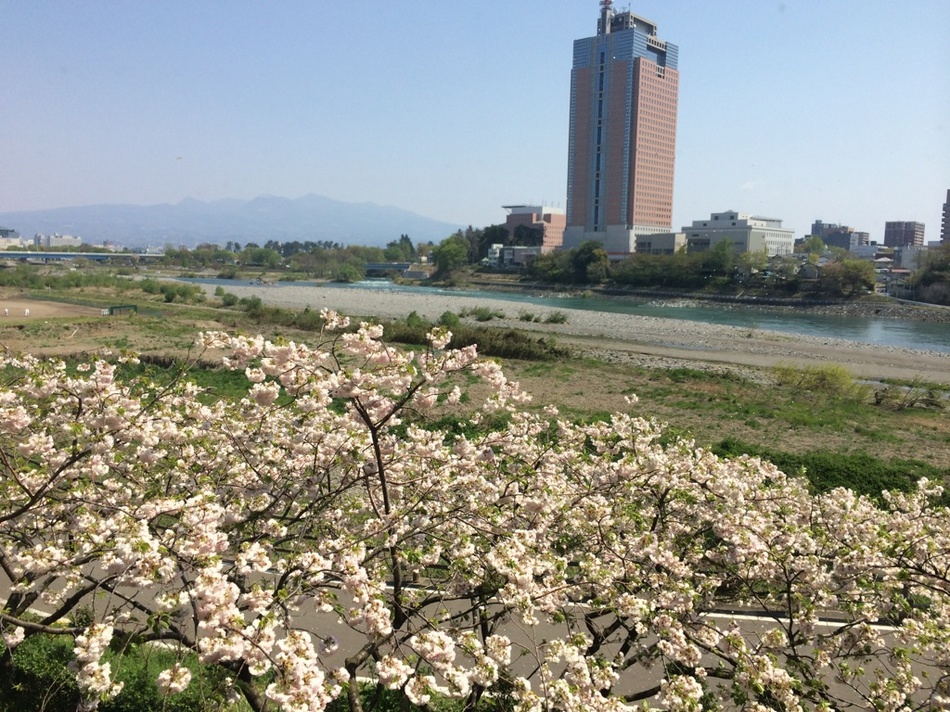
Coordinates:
(885, 332)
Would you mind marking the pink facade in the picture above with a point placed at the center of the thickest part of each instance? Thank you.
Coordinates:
(551, 224)
(653, 150)
(622, 143)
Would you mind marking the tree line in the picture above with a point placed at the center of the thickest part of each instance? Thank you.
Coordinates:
(719, 267)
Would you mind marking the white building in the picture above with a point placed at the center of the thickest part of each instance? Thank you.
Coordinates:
(56, 240)
(660, 243)
(746, 232)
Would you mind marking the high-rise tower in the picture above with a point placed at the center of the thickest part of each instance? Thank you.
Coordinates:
(945, 222)
(622, 143)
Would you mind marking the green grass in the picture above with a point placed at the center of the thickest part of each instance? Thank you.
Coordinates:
(40, 679)
(862, 472)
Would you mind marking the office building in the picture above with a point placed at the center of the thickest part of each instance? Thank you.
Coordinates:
(945, 222)
(901, 233)
(622, 140)
(746, 232)
(834, 235)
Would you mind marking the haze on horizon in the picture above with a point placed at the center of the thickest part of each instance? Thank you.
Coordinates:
(799, 109)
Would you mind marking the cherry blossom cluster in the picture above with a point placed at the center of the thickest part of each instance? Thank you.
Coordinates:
(320, 533)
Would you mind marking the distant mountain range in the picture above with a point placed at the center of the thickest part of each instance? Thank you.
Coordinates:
(191, 222)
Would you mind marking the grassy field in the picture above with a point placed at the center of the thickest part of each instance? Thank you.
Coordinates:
(791, 417)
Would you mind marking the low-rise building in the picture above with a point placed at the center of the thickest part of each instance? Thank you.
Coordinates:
(536, 226)
(661, 243)
(56, 240)
(9, 238)
(746, 232)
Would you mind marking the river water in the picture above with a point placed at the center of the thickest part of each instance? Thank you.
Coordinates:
(886, 332)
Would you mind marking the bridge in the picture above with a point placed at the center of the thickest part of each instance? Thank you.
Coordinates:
(46, 256)
(381, 267)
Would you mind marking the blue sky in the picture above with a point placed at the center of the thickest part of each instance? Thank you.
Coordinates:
(801, 109)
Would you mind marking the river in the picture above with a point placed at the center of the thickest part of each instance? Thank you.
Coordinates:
(886, 332)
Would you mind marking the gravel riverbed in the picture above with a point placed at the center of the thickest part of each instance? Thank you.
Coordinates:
(627, 337)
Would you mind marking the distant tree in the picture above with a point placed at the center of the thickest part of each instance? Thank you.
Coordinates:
(528, 236)
(450, 254)
(814, 245)
(261, 257)
(590, 262)
(400, 250)
(752, 262)
(492, 235)
(720, 260)
(846, 278)
(349, 273)
(555, 267)
(932, 280)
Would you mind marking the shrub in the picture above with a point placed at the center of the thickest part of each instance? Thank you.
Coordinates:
(824, 379)
(556, 317)
(252, 305)
(414, 320)
(228, 299)
(450, 320)
(483, 313)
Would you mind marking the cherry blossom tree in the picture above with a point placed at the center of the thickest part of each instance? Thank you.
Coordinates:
(318, 539)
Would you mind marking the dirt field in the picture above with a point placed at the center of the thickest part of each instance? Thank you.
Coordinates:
(20, 310)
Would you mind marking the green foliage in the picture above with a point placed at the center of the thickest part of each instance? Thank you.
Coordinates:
(349, 273)
(400, 250)
(499, 343)
(814, 245)
(181, 292)
(254, 306)
(450, 320)
(228, 299)
(508, 343)
(40, 679)
(260, 257)
(590, 263)
(416, 321)
(932, 281)
(720, 259)
(483, 313)
(450, 255)
(822, 379)
(847, 278)
(861, 472)
(556, 317)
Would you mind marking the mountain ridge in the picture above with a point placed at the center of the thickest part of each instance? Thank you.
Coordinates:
(191, 221)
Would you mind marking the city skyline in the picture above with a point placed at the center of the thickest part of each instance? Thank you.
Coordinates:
(795, 110)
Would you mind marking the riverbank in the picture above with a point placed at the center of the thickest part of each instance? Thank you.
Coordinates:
(628, 338)
(876, 307)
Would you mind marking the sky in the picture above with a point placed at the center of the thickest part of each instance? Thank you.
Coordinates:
(799, 110)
